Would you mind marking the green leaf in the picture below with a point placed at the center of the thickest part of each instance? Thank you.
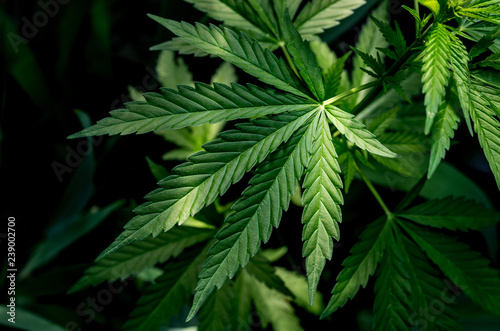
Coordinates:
(488, 11)
(319, 15)
(355, 132)
(158, 171)
(395, 38)
(382, 122)
(239, 50)
(460, 70)
(443, 130)
(453, 214)
(180, 46)
(225, 161)
(350, 170)
(165, 299)
(281, 5)
(255, 214)
(303, 58)
(464, 267)
(131, 259)
(487, 128)
(428, 287)
(171, 72)
(321, 200)
(260, 268)
(217, 313)
(436, 71)
(297, 284)
(273, 308)
(220, 11)
(194, 106)
(484, 43)
(243, 301)
(392, 290)
(362, 263)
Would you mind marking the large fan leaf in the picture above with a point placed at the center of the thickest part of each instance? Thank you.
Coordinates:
(443, 130)
(304, 58)
(362, 263)
(131, 259)
(461, 75)
(356, 132)
(194, 106)
(208, 174)
(464, 267)
(436, 70)
(318, 15)
(239, 50)
(255, 214)
(171, 291)
(321, 200)
(452, 213)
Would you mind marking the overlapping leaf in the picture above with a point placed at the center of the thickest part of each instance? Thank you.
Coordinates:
(194, 106)
(131, 259)
(321, 200)
(356, 132)
(165, 299)
(255, 214)
(198, 182)
(464, 267)
(239, 50)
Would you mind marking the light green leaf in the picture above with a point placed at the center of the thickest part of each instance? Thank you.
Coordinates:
(436, 70)
(255, 214)
(297, 284)
(355, 132)
(171, 72)
(239, 50)
(273, 308)
(319, 15)
(362, 263)
(321, 200)
(131, 259)
(453, 214)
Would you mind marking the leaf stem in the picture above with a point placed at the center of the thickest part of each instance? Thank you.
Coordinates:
(349, 93)
(417, 23)
(375, 193)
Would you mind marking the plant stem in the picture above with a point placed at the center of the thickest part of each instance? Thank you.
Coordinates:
(289, 59)
(417, 23)
(350, 92)
(375, 193)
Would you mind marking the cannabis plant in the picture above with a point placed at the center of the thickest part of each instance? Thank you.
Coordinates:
(309, 129)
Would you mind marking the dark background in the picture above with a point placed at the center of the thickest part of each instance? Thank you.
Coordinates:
(83, 57)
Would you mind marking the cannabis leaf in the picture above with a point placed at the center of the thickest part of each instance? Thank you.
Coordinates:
(321, 200)
(436, 71)
(255, 213)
